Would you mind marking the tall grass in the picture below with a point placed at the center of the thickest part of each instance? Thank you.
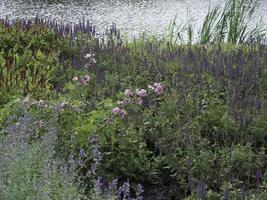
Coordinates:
(231, 23)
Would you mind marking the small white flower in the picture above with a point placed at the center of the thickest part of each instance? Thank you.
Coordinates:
(87, 56)
(75, 78)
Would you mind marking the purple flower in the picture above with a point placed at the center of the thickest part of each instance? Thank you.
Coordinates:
(123, 113)
(128, 93)
(157, 88)
(139, 101)
(116, 110)
(141, 93)
(85, 79)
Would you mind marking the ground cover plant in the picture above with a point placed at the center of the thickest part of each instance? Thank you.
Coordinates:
(87, 117)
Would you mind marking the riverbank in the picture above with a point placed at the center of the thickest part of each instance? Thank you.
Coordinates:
(83, 117)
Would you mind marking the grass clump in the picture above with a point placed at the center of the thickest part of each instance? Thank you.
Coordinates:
(231, 22)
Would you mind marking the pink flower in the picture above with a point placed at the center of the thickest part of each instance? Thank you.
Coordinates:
(62, 106)
(128, 93)
(75, 78)
(26, 103)
(139, 101)
(116, 110)
(158, 88)
(126, 101)
(123, 113)
(157, 84)
(41, 103)
(141, 93)
(85, 79)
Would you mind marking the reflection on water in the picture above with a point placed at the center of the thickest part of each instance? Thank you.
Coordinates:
(133, 16)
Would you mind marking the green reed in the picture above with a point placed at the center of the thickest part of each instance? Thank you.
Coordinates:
(231, 23)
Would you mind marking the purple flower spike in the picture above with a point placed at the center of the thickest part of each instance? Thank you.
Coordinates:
(98, 185)
(140, 191)
(82, 153)
(258, 176)
(202, 189)
(126, 190)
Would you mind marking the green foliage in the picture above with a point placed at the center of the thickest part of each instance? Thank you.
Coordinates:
(29, 58)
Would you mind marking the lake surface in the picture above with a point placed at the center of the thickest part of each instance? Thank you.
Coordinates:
(131, 16)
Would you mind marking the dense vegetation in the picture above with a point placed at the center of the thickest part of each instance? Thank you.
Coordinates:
(84, 117)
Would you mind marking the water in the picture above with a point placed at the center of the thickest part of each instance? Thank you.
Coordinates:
(132, 16)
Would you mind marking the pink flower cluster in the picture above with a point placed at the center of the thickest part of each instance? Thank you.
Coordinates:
(128, 93)
(137, 97)
(157, 88)
(84, 80)
(141, 93)
(119, 111)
